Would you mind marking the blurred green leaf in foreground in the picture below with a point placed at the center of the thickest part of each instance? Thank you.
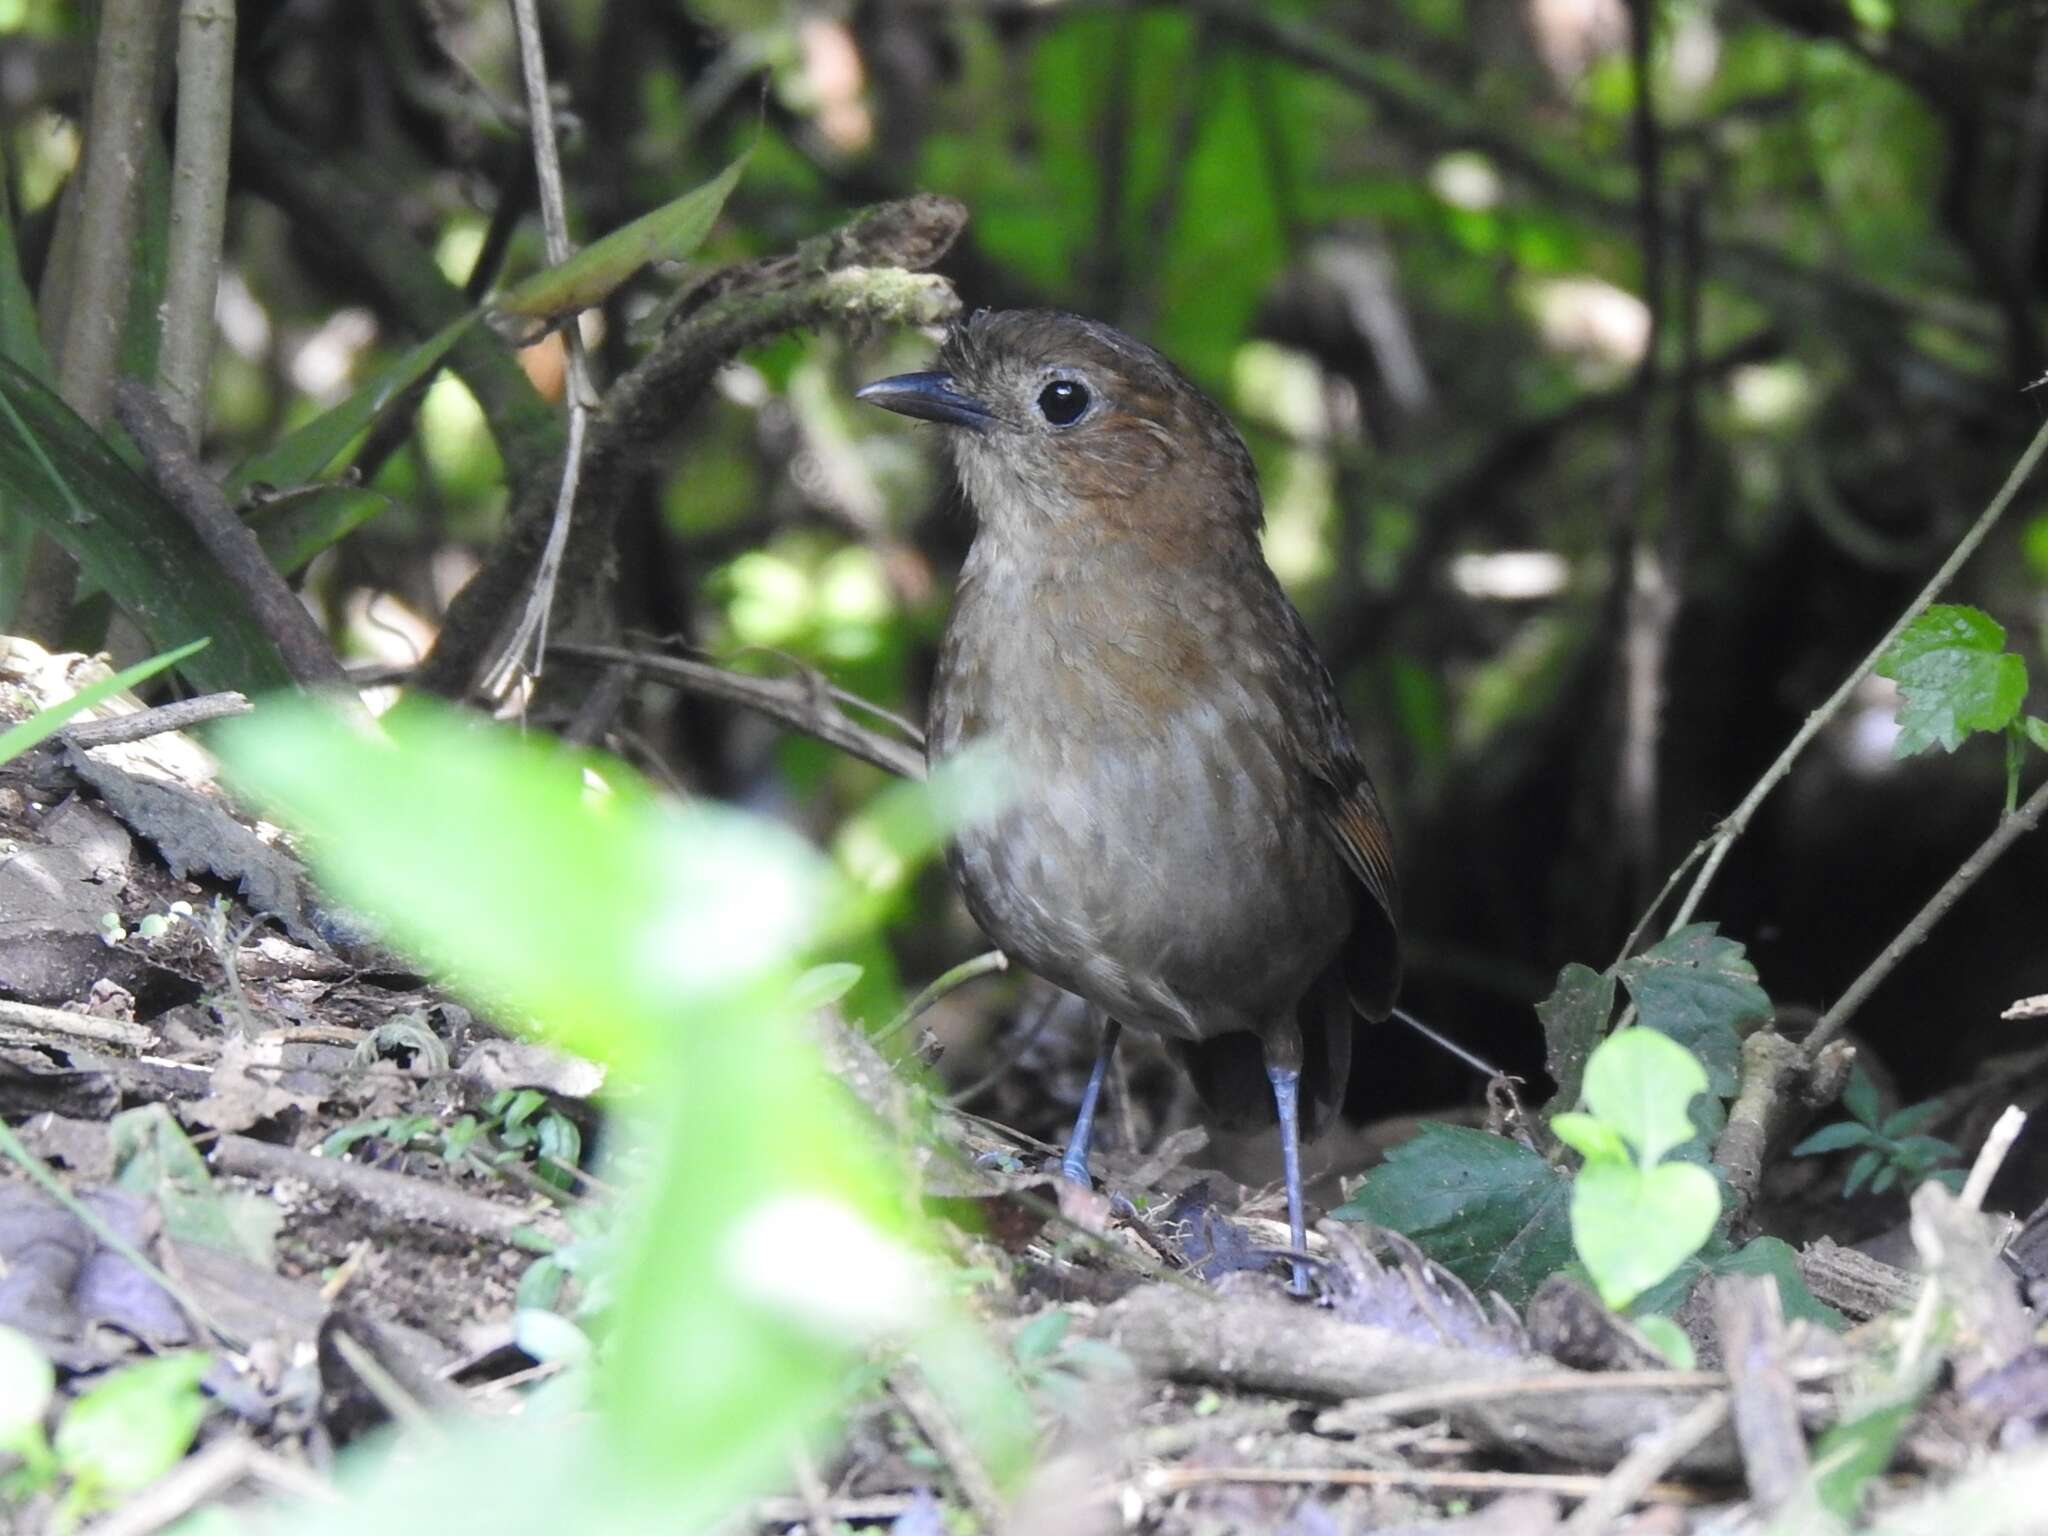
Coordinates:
(772, 1248)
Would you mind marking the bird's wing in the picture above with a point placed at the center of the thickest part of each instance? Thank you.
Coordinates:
(1358, 827)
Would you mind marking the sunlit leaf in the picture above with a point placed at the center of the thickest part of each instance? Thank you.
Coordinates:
(1641, 1083)
(1631, 1227)
(669, 233)
(1955, 677)
(132, 1427)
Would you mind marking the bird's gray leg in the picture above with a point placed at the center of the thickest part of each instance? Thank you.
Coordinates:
(1075, 1164)
(1283, 1071)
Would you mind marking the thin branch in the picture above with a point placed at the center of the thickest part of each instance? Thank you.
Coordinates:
(866, 273)
(199, 207)
(145, 723)
(1638, 1471)
(116, 149)
(1572, 1485)
(45, 1022)
(1715, 847)
(198, 497)
(2009, 830)
(967, 970)
(525, 648)
(800, 703)
(1648, 605)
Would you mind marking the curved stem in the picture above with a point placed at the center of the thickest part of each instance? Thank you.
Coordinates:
(1716, 846)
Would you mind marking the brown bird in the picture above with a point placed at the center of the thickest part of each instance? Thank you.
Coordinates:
(1193, 845)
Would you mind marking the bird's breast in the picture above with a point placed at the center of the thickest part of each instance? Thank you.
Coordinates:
(1159, 854)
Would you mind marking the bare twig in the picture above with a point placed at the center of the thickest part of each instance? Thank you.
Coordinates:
(199, 207)
(205, 1475)
(408, 1199)
(866, 273)
(1990, 1157)
(77, 1026)
(116, 139)
(144, 723)
(953, 1447)
(2009, 829)
(1164, 1480)
(1647, 604)
(1367, 1412)
(525, 648)
(793, 701)
(187, 486)
(1636, 1474)
(967, 970)
(1764, 1405)
(1779, 1081)
(1712, 850)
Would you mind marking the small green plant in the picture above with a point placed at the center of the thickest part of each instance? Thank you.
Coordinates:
(1956, 679)
(517, 1125)
(770, 1246)
(1889, 1148)
(126, 1430)
(1637, 1212)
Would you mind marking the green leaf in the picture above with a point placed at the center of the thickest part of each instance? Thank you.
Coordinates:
(1955, 677)
(1574, 1018)
(45, 723)
(1039, 1339)
(1632, 1227)
(1860, 1096)
(1861, 1170)
(126, 538)
(662, 908)
(1835, 1138)
(153, 1159)
(1593, 1139)
(1640, 1083)
(823, 985)
(1488, 1209)
(1774, 1257)
(1847, 1457)
(27, 1382)
(774, 1247)
(1697, 988)
(2036, 730)
(293, 529)
(306, 453)
(21, 341)
(1670, 1341)
(1914, 1117)
(669, 233)
(131, 1427)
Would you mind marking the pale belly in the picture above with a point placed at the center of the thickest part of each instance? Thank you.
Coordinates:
(1181, 883)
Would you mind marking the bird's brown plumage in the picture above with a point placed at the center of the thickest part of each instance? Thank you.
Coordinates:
(1193, 844)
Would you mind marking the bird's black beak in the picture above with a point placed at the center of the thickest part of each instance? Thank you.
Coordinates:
(927, 396)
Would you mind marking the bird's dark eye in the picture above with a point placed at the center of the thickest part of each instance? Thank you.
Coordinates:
(1062, 401)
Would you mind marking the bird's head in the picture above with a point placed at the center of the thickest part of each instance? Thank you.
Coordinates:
(1059, 422)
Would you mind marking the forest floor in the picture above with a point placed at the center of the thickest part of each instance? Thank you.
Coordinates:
(344, 1185)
